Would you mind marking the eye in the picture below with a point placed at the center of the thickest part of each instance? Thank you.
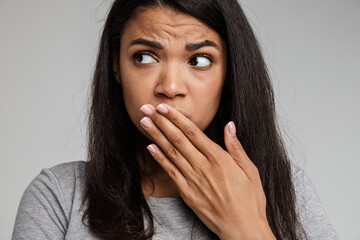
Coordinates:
(201, 61)
(144, 58)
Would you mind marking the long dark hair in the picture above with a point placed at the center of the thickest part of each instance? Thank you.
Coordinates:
(115, 203)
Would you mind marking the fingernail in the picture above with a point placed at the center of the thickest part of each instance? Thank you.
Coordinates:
(231, 128)
(162, 109)
(146, 110)
(145, 122)
(151, 149)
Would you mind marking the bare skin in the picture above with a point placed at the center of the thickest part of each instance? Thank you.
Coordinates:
(222, 187)
(165, 75)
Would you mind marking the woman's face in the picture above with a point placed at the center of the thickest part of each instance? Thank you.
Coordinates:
(169, 57)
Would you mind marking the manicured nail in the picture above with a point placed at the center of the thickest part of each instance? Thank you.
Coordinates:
(146, 110)
(145, 122)
(162, 109)
(151, 149)
(231, 128)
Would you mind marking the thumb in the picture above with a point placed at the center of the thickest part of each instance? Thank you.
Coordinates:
(237, 152)
(232, 144)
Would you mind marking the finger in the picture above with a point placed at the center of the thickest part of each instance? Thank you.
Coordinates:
(205, 145)
(175, 136)
(171, 152)
(237, 152)
(175, 174)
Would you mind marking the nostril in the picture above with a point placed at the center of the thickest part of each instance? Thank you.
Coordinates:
(167, 95)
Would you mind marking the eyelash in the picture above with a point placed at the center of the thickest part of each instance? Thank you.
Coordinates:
(152, 55)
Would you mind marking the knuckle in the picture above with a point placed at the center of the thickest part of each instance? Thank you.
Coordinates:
(177, 140)
(159, 121)
(160, 158)
(172, 173)
(186, 194)
(203, 168)
(195, 180)
(215, 156)
(172, 153)
(174, 118)
(157, 134)
(202, 164)
(190, 131)
(236, 146)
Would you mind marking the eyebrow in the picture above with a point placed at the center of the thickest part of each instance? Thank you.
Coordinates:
(188, 47)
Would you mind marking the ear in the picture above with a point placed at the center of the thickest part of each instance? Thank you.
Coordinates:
(116, 71)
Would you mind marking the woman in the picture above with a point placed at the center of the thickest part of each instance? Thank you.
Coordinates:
(190, 67)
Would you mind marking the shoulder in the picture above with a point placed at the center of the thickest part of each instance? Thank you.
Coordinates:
(305, 190)
(53, 197)
(67, 180)
(58, 187)
(306, 194)
(59, 183)
(68, 167)
(67, 172)
(63, 174)
(300, 178)
(311, 213)
(63, 178)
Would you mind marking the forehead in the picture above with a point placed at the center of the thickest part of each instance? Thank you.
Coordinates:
(163, 23)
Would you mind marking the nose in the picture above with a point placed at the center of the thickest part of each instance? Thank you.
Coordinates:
(171, 82)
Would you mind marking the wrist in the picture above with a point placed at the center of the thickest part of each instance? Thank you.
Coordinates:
(258, 232)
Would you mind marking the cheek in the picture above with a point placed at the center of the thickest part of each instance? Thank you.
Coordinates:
(203, 95)
(136, 93)
(134, 90)
(134, 97)
(206, 104)
(133, 102)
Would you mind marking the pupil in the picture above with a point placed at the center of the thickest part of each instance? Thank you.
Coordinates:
(194, 61)
(139, 58)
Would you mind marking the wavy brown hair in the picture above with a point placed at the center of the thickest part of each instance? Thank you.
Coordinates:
(115, 204)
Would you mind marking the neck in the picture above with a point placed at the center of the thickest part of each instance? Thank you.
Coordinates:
(155, 181)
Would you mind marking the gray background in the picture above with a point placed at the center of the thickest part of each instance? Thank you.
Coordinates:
(47, 53)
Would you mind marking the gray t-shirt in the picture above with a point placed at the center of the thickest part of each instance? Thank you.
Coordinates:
(50, 209)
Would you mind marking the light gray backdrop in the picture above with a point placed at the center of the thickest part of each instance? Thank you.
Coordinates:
(48, 49)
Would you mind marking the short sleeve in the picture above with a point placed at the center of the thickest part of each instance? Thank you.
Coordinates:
(42, 212)
(310, 210)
